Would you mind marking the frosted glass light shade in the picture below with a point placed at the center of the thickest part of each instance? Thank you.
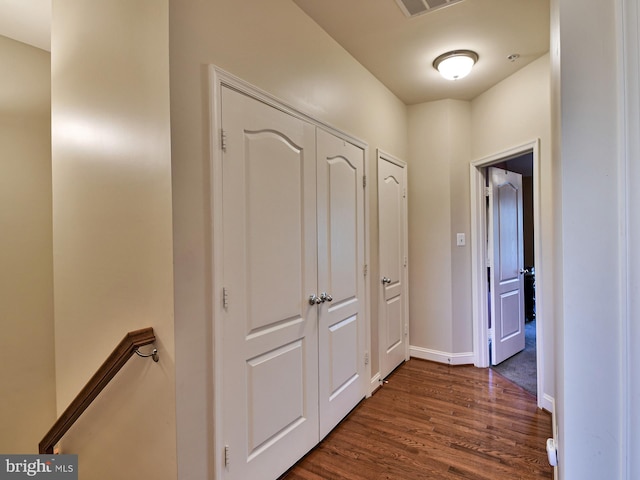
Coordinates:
(456, 64)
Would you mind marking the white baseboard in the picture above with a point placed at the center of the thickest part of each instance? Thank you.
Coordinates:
(548, 403)
(465, 358)
(375, 383)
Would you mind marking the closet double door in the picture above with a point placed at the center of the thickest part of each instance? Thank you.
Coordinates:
(293, 257)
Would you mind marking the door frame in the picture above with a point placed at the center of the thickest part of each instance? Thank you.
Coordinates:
(479, 288)
(219, 78)
(383, 156)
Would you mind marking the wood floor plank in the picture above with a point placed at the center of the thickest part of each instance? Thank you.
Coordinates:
(434, 421)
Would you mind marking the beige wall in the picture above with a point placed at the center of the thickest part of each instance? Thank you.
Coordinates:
(112, 229)
(27, 373)
(439, 290)
(276, 47)
(512, 113)
(596, 169)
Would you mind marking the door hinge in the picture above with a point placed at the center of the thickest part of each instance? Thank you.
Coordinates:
(364, 181)
(406, 329)
(404, 193)
(223, 140)
(405, 261)
(487, 191)
(227, 458)
(366, 358)
(225, 298)
(365, 269)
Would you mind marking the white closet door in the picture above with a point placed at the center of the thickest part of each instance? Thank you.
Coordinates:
(270, 334)
(341, 283)
(392, 210)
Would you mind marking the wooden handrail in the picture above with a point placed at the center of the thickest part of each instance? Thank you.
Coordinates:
(94, 386)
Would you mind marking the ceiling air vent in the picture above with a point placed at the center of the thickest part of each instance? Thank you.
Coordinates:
(412, 8)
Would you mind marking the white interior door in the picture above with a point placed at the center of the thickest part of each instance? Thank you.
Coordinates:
(506, 275)
(341, 324)
(393, 325)
(270, 382)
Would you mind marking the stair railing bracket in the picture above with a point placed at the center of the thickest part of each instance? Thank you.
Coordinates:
(153, 354)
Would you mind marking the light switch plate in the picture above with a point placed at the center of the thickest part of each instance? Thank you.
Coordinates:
(460, 240)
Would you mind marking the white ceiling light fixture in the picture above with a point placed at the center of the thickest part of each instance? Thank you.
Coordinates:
(455, 64)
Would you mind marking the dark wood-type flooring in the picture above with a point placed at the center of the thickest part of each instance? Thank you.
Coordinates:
(433, 421)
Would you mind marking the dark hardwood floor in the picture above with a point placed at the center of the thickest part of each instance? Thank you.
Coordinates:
(434, 421)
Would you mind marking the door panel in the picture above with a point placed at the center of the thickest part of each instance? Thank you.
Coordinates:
(270, 356)
(509, 314)
(394, 323)
(392, 231)
(271, 162)
(268, 419)
(341, 324)
(343, 336)
(506, 277)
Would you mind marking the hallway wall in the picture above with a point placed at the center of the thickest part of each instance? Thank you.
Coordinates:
(591, 99)
(275, 46)
(112, 220)
(439, 285)
(27, 372)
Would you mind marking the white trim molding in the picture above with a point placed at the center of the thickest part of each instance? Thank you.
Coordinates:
(549, 404)
(465, 358)
(630, 256)
(374, 384)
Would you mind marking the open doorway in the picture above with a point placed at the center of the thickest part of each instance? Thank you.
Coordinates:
(522, 160)
(511, 273)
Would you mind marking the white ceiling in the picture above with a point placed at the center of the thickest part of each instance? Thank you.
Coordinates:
(398, 50)
(28, 21)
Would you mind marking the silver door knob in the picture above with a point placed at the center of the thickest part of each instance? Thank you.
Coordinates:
(386, 280)
(314, 299)
(523, 271)
(325, 297)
